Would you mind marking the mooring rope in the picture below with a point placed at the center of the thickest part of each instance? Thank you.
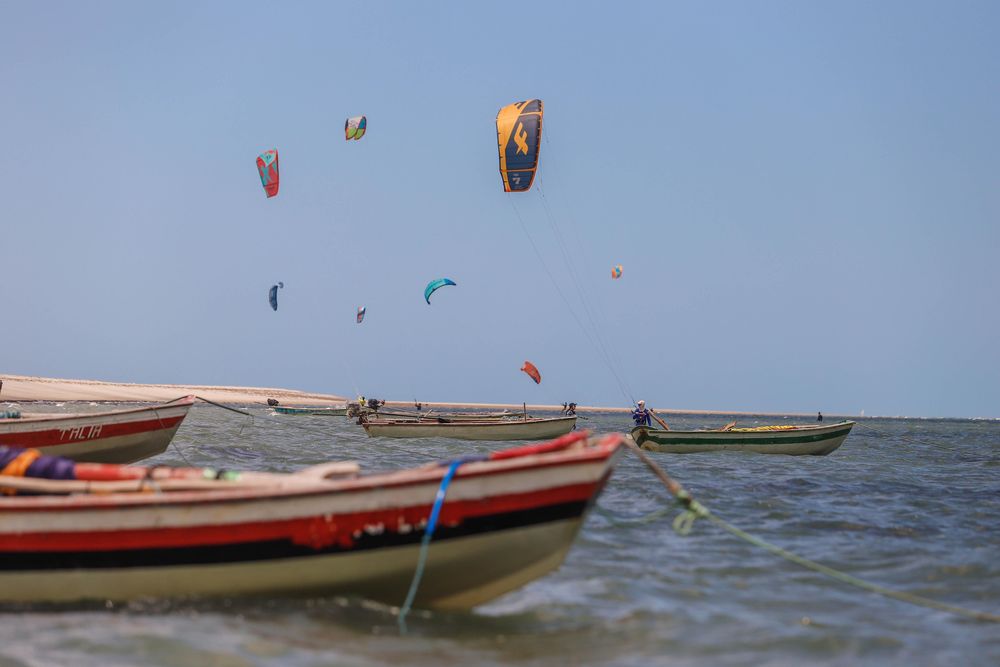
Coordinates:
(173, 441)
(631, 521)
(904, 438)
(694, 510)
(226, 407)
(425, 543)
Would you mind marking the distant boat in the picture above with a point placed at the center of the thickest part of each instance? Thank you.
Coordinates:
(119, 436)
(355, 410)
(784, 439)
(493, 429)
(322, 411)
(508, 518)
(431, 415)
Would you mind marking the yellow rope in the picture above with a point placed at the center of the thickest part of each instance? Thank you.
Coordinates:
(777, 427)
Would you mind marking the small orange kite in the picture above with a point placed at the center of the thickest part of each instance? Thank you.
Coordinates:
(532, 372)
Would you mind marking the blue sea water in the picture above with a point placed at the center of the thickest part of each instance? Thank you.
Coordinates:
(909, 504)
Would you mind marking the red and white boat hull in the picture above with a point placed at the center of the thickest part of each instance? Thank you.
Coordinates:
(121, 436)
(504, 522)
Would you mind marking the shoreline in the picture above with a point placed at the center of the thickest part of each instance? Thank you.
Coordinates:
(543, 407)
(26, 388)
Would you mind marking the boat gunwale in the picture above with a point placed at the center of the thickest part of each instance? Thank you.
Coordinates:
(459, 423)
(593, 449)
(182, 402)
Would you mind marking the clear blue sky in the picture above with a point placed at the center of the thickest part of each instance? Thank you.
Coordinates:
(805, 198)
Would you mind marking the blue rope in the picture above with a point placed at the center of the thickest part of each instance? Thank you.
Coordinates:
(425, 542)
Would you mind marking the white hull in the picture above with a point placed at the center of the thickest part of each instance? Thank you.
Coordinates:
(121, 436)
(459, 573)
(538, 429)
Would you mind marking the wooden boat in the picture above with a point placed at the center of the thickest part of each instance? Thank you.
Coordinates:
(506, 429)
(507, 518)
(784, 439)
(441, 416)
(119, 436)
(355, 410)
(320, 411)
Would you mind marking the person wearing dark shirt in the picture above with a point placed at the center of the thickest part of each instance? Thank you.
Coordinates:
(641, 415)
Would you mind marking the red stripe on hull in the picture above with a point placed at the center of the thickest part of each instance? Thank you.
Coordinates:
(86, 433)
(316, 531)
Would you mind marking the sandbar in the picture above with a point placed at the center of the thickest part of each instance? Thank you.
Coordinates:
(30, 388)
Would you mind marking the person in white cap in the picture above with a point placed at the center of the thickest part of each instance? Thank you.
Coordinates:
(641, 415)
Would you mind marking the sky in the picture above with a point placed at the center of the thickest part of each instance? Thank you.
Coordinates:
(805, 199)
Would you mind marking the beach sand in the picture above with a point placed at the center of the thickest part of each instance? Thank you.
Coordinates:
(29, 388)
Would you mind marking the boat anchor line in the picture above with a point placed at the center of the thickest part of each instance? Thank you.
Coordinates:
(173, 442)
(425, 541)
(693, 510)
(904, 438)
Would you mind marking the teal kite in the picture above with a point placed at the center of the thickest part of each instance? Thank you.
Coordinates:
(434, 286)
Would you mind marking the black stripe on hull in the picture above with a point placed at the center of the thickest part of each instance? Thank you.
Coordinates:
(275, 549)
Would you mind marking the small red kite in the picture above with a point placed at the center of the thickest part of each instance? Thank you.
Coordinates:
(532, 372)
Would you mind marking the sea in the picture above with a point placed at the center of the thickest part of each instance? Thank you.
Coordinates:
(908, 504)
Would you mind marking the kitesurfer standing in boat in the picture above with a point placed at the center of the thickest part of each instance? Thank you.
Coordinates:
(641, 415)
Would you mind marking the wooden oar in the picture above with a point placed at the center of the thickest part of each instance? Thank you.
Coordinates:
(657, 418)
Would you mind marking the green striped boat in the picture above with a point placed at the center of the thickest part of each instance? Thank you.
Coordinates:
(795, 440)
